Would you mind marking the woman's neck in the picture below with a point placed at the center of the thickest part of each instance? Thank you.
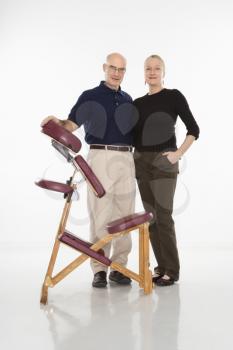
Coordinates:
(155, 89)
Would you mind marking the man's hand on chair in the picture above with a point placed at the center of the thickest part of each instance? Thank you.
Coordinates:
(67, 124)
(50, 117)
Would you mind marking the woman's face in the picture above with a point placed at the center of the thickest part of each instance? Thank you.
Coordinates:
(154, 72)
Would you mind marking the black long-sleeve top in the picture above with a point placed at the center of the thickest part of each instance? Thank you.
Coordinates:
(157, 115)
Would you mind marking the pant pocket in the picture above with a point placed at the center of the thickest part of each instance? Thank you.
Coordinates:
(164, 164)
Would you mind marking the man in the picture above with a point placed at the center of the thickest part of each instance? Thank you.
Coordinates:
(107, 115)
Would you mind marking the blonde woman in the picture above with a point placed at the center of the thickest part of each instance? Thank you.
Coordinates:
(156, 158)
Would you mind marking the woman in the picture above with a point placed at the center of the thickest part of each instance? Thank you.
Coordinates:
(156, 160)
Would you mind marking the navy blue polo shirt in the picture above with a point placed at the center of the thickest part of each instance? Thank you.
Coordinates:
(108, 116)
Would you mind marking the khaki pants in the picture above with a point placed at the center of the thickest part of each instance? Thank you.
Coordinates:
(156, 178)
(116, 172)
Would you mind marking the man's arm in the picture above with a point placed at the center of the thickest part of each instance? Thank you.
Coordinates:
(67, 124)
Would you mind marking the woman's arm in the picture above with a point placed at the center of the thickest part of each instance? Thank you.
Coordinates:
(183, 110)
(173, 157)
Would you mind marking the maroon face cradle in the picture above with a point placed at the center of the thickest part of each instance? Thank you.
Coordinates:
(60, 134)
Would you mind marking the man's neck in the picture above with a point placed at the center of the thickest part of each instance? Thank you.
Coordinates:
(116, 88)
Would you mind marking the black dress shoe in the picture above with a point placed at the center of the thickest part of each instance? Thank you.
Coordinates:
(157, 275)
(119, 278)
(156, 278)
(99, 280)
(164, 282)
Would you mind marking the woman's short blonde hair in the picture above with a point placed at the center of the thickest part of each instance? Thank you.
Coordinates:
(159, 58)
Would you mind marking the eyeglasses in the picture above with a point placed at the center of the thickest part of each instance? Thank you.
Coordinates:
(114, 69)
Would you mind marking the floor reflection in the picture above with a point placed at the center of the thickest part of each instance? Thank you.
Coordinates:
(118, 317)
(160, 328)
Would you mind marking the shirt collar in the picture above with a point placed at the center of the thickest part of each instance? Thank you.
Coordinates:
(104, 86)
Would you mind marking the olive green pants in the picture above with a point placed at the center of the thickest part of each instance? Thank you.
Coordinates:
(156, 178)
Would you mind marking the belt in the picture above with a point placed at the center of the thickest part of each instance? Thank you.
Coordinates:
(113, 148)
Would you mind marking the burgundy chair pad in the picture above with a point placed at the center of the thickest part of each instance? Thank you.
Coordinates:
(54, 186)
(128, 222)
(84, 247)
(77, 239)
(89, 175)
(60, 134)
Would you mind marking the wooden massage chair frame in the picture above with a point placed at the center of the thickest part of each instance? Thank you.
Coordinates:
(65, 142)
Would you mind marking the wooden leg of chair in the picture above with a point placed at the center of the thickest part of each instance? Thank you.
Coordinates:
(147, 272)
(53, 258)
(141, 256)
(65, 213)
(44, 292)
(44, 295)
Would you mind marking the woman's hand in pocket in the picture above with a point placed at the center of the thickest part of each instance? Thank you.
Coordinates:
(173, 157)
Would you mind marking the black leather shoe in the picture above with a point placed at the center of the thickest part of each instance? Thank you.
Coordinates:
(99, 280)
(156, 278)
(162, 282)
(119, 278)
(157, 275)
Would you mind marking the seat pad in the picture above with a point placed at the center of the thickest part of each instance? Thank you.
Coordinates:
(128, 222)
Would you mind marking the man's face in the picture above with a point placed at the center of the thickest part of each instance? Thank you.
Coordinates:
(114, 71)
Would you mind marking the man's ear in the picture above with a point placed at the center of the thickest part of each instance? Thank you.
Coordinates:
(104, 67)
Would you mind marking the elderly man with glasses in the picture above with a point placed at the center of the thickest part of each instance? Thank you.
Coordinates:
(107, 114)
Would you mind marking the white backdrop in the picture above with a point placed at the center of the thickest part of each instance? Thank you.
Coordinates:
(52, 50)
